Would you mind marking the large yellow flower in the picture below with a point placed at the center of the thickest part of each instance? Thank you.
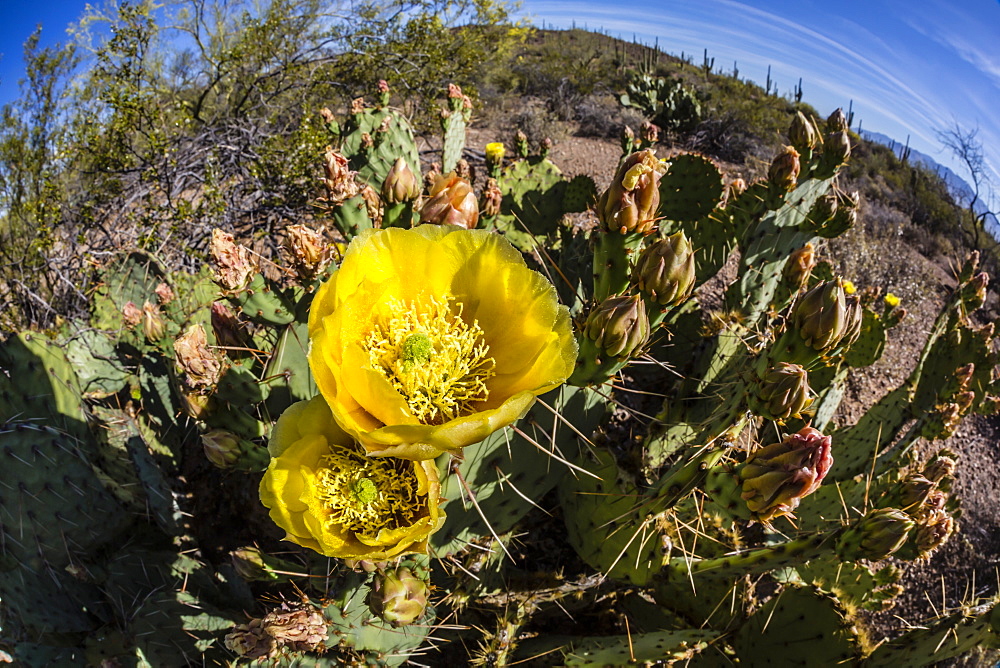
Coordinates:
(328, 495)
(430, 339)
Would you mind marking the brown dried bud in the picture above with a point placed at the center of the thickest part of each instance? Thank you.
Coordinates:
(451, 202)
(131, 314)
(941, 466)
(327, 115)
(232, 266)
(229, 331)
(307, 250)
(373, 206)
(432, 175)
(164, 293)
(464, 170)
(339, 179)
(837, 121)
(283, 630)
(454, 91)
(358, 105)
(383, 86)
(800, 264)
(650, 133)
(201, 366)
(491, 199)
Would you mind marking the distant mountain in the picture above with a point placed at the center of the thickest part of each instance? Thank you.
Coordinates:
(959, 189)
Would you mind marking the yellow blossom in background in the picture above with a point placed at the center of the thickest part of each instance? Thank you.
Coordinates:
(495, 152)
(323, 490)
(849, 288)
(891, 300)
(430, 339)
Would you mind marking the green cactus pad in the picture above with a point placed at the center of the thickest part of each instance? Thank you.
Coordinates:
(691, 189)
(797, 627)
(580, 194)
(373, 164)
(641, 648)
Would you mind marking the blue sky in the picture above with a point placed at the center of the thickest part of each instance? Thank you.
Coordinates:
(910, 67)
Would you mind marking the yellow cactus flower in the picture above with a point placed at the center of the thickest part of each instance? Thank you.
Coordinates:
(849, 288)
(329, 496)
(891, 300)
(430, 339)
(495, 152)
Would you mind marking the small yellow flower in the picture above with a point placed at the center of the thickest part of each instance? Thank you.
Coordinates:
(329, 496)
(849, 288)
(430, 339)
(495, 152)
(891, 300)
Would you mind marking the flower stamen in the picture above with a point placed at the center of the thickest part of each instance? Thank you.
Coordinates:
(438, 362)
(366, 495)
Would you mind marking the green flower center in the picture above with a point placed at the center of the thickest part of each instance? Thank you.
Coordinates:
(438, 362)
(365, 495)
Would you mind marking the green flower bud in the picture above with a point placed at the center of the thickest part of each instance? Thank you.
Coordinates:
(227, 450)
(521, 144)
(630, 202)
(400, 184)
(777, 477)
(837, 121)
(803, 133)
(820, 316)
(973, 293)
(398, 597)
(784, 171)
(627, 139)
(913, 491)
(665, 270)
(153, 326)
(940, 466)
(876, 535)
(619, 326)
(451, 202)
(782, 393)
(837, 147)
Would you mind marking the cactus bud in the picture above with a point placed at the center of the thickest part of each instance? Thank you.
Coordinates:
(491, 199)
(329, 121)
(545, 147)
(932, 532)
(778, 476)
(914, 490)
(820, 316)
(132, 315)
(942, 422)
(941, 466)
(365, 565)
(665, 271)
(837, 147)
(974, 292)
(798, 268)
(837, 121)
(619, 326)
(338, 179)
(373, 206)
(232, 267)
(521, 144)
(432, 175)
(650, 133)
(200, 365)
(630, 203)
(853, 318)
(221, 447)
(876, 535)
(398, 597)
(784, 171)
(803, 133)
(282, 631)
(627, 139)
(307, 250)
(164, 293)
(153, 326)
(229, 331)
(844, 216)
(400, 184)
(463, 170)
(452, 202)
(782, 393)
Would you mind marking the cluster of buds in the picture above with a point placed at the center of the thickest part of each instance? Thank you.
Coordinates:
(665, 271)
(398, 596)
(782, 393)
(307, 250)
(776, 477)
(285, 629)
(629, 204)
(451, 202)
(232, 266)
(955, 400)
(618, 326)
